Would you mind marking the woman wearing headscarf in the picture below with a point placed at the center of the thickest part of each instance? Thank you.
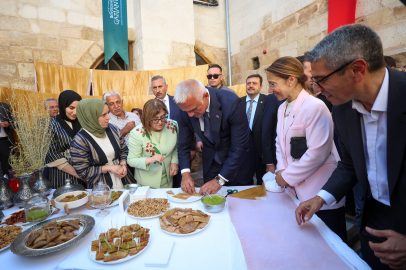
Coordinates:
(64, 127)
(98, 151)
(154, 147)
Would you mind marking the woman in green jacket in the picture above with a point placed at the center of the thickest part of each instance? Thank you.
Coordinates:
(153, 147)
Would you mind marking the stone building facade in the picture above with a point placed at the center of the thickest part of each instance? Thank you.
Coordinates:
(166, 34)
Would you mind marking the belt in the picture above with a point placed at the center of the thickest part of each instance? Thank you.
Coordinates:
(3, 138)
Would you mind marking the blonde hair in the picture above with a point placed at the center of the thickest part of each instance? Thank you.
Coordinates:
(151, 108)
(288, 66)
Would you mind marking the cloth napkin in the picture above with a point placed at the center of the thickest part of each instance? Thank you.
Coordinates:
(270, 183)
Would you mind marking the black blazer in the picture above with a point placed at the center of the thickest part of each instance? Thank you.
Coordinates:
(233, 141)
(257, 122)
(5, 115)
(269, 123)
(174, 109)
(353, 165)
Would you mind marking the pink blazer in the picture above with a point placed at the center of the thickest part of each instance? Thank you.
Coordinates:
(309, 117)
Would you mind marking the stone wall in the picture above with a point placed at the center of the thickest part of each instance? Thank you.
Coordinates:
(292, 28)
(67, 32)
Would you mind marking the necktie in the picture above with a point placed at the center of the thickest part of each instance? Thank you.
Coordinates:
(164, 101)
(249, 111)
(207, 132)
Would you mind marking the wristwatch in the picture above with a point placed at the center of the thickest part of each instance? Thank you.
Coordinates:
(220, 181)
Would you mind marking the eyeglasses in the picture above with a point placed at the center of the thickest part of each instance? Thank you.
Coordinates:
(272, 85)
(162, 119)
(325, 77)
(215, 76)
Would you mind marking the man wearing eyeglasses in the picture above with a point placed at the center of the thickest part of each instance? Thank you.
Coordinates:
(219, 119)
(370, 117)
(215, 77)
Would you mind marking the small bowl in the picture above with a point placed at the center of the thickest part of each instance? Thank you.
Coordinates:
(132, 187)
(74, 204)
(214, 208)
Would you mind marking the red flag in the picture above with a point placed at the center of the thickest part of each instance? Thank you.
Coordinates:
(340, 12)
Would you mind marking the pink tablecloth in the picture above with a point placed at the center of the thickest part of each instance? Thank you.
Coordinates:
(271, 238)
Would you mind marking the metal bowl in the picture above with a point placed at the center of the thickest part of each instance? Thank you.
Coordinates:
(214, 208)
(132, 187)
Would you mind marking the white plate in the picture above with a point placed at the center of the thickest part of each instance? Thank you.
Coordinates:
(14, 238)
(143, 217)
(115, 203)
(74, 204)
(175, 234)
(189, 200)
(92, 255)
(25, 223)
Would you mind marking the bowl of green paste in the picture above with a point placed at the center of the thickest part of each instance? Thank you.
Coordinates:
(214, 204)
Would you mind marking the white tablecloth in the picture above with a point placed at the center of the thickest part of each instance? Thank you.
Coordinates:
(217, 246)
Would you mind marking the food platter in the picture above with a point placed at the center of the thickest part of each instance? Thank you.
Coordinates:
(21, 223)
(19, 246)
(73, 204)
(115, 203)
(188, 200)
(141, 218)
(134, 242)
(148, 208)
(183, 221)
(177, 234)
(6, 247)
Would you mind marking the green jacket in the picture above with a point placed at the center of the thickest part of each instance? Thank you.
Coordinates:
(142, 145)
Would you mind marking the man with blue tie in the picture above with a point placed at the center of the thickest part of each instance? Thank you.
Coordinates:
(218, 117)
(254, 106)
(159, 88)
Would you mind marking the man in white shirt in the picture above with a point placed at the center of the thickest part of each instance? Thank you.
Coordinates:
(51, 106)
(348, 68)
(125, 121)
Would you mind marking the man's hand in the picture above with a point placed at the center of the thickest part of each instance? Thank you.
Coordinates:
(192, 155)
(4, 124)
(270, 168)
(188, 184)
(391, 252)
(306, 209)
(128, 127)
(199, 146)
(173, 170)
(280, 181)
(210, 187)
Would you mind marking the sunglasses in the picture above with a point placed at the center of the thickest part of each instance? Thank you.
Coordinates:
(215, 76)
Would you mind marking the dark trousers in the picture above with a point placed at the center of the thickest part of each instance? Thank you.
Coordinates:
(335, 220)
(376, 216)
(4, 155)
(260, 171)
(215, 169)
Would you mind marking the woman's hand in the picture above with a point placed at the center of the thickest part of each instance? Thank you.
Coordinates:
(117, 169)
(174, 169)
(124, 171)
(280, 181)
(155, 158)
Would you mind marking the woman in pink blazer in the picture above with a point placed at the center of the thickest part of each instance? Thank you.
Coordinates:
(305, 149)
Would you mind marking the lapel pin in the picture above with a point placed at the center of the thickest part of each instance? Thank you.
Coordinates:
(217, 116)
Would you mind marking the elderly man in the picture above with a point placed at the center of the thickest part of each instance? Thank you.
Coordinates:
(349, 69)
(218, 117)
(6, 136)
(123, 120)
(51, 106)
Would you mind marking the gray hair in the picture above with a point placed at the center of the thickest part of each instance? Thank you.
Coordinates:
(188, 88)
(347, 43)
(157, 77)
(110, 94)
(49, 99)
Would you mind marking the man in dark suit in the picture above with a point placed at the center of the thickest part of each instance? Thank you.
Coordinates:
(159, 88)
(6, 136)
(254, 103)
(218, 118)
(348, 68)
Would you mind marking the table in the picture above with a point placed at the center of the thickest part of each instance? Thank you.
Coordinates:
(218, 246)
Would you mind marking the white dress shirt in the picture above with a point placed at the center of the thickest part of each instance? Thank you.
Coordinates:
(254, 108)
(374, 132)
(165, 100)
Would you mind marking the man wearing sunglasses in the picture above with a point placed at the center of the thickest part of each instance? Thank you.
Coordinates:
(215, 78)
(370, 119)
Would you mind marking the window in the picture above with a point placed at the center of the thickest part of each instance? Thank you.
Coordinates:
(116, 62)
(255, 63)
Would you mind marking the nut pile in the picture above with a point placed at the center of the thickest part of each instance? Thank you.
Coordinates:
(148, 207)
(8, 234)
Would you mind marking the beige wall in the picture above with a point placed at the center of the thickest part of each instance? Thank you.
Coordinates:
(291, 27)
(67, 32)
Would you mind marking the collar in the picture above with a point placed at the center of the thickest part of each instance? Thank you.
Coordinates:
(255, 99)
(166, 98)
(381, 101)
(208, 107)
(118, 117)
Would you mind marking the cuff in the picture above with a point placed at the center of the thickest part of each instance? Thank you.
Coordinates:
(223, 178)
(327, 197)
(269, 164)
(184, 170)
(60, 167)
(57, 162)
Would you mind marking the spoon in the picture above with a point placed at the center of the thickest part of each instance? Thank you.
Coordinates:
(209, 196)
